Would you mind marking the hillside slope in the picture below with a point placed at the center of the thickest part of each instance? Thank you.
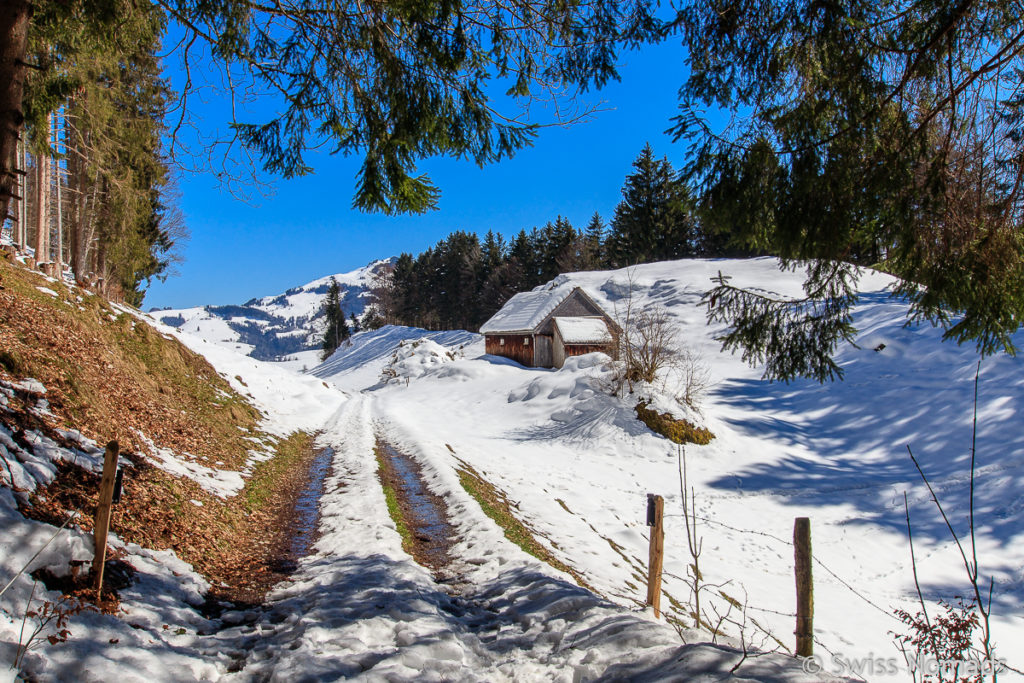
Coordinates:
(578, 464)
(357, 605)
(207, 454)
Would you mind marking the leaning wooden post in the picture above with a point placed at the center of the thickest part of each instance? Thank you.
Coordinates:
(102, 519)
(655, 519)
(804, 587)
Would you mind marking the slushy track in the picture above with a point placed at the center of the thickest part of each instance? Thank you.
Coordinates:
(359, 606)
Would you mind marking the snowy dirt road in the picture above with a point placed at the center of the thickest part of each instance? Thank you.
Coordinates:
(360, 606)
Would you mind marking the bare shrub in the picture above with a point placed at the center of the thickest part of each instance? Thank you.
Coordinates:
(648, 344)
(960, 640)
(694, 376)
(649, 348)
(49, 623)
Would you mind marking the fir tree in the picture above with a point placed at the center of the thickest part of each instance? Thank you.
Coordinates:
(653, 222)
(418, 89)
(593, 244)
(492, 252)
(336, 330)
(106, 88)
(884, 133)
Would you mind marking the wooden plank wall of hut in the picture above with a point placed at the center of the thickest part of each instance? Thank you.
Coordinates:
(570, 350)
(515, 347)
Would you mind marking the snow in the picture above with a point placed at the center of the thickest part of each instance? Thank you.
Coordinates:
(414, 359)
(361, 606)
(578, 330)
(222, 483)
(305, 301)
(358, 364)
(524, 311)
(286, 324)
(577, 465)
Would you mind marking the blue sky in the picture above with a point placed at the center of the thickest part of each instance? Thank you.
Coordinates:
(307, 229)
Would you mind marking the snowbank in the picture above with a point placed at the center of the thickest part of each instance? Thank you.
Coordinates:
(579, 464)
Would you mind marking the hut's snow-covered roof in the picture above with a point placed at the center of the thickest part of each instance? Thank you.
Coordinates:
(576, 330)
(524, 312)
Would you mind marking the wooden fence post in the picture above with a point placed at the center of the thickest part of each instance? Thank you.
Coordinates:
(804, 587)
(102, 519)
(655, 520)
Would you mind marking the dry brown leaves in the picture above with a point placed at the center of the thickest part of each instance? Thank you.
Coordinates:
(118, 378)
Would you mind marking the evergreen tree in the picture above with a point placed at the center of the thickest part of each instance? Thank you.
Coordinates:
(492, 252)
(403, 293)
(901, 150)
(653, 222)
(336, 330)
(418, 89)
(564, 245)
(593, 244)
(524, 257)
(104, 90)
(459, 257)
(355, 326)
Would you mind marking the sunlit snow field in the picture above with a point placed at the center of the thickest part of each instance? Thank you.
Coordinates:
(579, 464)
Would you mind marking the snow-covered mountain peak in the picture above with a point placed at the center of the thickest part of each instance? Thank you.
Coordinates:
(276, 326)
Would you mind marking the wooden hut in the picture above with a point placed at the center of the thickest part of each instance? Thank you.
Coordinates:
(543, 328)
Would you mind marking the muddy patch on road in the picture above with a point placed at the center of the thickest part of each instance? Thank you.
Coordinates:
(420, 515)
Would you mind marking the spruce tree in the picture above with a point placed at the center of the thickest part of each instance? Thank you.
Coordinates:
(884, 133)
(392, 82)
(593, 244)
(653, 222)
(336, 330)
(105, 86)
(557, 249)
(492, 252)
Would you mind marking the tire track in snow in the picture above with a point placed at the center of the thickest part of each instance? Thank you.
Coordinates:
(360, 607)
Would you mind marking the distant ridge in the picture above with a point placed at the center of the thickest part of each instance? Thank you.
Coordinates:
(274, 327)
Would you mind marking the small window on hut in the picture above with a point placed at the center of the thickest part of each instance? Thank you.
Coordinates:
(501, 341)
(526, 342)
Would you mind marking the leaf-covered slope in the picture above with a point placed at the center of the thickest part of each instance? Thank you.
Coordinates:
(105, 372)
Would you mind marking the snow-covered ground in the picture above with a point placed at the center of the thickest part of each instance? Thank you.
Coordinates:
(577, 466)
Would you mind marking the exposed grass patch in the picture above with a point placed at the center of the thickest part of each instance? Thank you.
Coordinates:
(387, 477)
(495, 505)
(291, 452)
(676, 430)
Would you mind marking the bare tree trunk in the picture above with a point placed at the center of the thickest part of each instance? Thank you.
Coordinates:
(90, 253)
(101, 269)
(57, 173)
(17, 215)
(76, 187)
(42, 197)
(22, 203)
(14, 20)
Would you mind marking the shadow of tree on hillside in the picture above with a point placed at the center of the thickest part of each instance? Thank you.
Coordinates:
(845, 444)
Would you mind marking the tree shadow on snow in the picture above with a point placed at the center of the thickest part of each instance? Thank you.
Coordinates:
(845, 444)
